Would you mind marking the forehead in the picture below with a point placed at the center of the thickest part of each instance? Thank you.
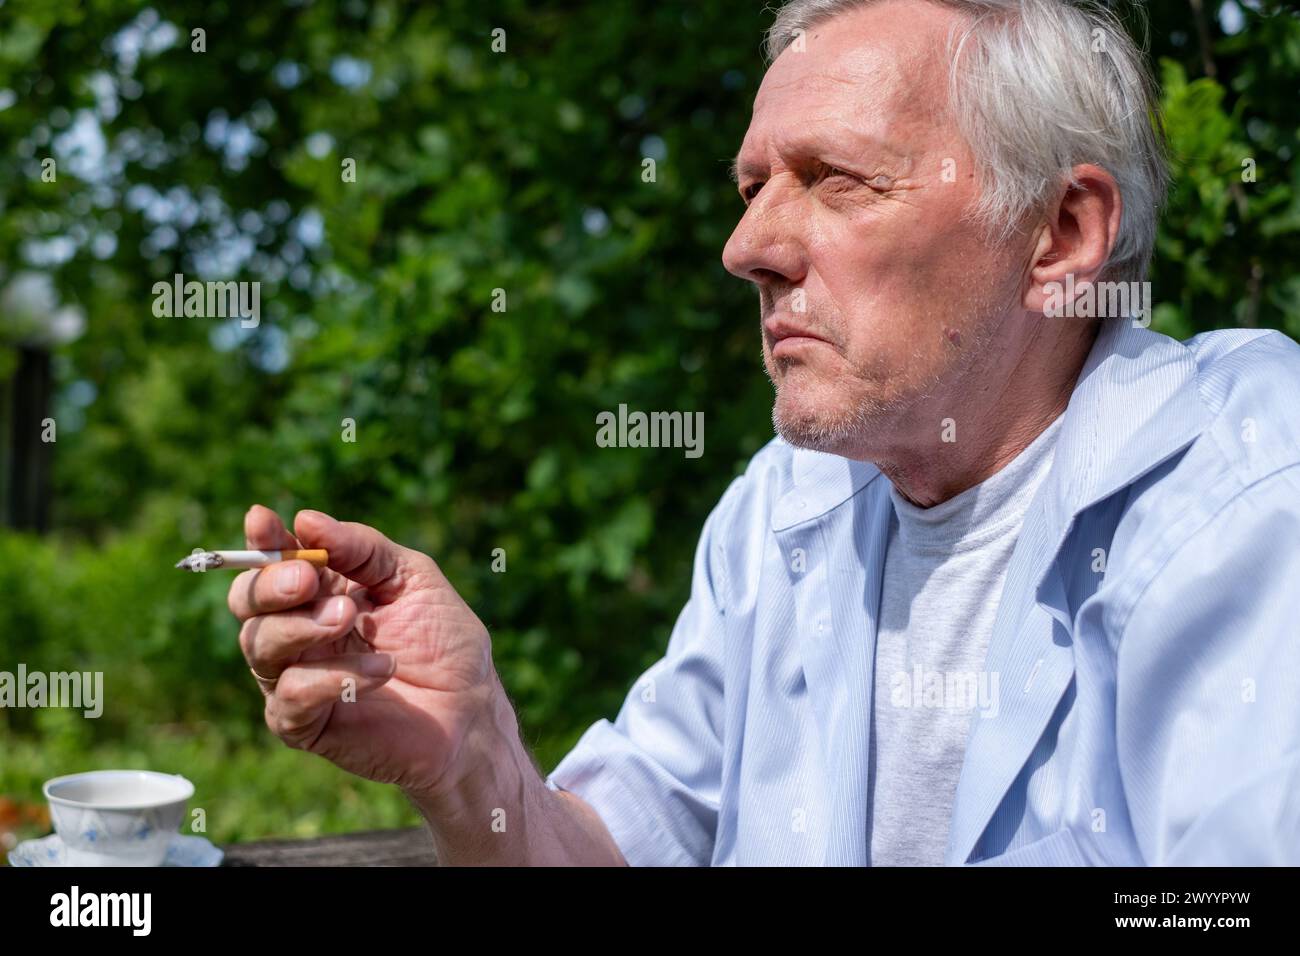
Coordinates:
(877, 72)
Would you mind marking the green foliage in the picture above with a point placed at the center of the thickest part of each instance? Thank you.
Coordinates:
(246, 789)
(475, 171)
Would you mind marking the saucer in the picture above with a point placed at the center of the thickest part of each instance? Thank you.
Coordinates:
(183, 850)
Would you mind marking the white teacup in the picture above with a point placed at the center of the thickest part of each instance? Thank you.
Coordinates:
(117, 817)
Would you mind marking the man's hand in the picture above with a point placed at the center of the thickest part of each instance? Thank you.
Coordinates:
(378, 665)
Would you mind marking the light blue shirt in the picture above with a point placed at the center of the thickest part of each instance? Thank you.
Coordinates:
(1147, 643)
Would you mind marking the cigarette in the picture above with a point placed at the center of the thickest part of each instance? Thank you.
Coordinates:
(207, 560)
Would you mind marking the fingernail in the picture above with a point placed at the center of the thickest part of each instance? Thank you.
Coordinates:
(332, 612)
(287, 578)
(378, 665)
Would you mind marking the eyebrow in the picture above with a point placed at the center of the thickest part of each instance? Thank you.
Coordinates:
(735, 169)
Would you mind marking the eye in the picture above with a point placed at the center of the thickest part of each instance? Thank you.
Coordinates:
(841, 177)
(750, 191)
(879, 182)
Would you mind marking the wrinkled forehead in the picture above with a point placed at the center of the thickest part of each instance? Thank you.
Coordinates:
(878, 70)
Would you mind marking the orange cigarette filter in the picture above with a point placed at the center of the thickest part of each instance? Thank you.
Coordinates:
(318, 557)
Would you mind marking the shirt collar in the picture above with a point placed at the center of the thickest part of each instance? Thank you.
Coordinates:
(821, 482)
(1135, 404)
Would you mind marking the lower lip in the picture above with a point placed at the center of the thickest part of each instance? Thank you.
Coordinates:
(793, 344)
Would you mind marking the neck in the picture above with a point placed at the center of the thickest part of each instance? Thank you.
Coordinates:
(999, 412)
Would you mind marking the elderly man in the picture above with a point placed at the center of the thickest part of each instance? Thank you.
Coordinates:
(1016, 581)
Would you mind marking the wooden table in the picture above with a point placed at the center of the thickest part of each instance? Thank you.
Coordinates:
(409, 847)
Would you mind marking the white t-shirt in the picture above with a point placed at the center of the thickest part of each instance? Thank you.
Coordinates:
(943, 577)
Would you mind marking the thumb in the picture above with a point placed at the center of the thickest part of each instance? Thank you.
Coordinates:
(358, 552)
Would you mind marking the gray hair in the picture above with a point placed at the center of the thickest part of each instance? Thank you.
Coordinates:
(1044, 85)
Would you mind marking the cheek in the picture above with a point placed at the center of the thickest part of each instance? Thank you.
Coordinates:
(908, 283)
(877, 269)
(900, 289)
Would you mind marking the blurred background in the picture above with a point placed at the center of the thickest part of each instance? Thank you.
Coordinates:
(475, 170)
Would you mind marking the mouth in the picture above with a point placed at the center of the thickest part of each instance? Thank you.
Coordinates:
(788, 339)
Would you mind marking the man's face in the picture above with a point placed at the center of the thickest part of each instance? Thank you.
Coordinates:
(875, 295)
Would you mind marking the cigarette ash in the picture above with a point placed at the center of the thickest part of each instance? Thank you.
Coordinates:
(200, 561)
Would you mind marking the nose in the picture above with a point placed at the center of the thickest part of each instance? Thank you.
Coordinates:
(766, 247)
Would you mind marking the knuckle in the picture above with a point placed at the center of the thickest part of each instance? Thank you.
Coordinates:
(420, 561)
(298, 694)
(275, 719)
(237, 597)
(279, 717)
(421, 570)
(250, 586)
(248, 636)
(289, 719)
(289, 691)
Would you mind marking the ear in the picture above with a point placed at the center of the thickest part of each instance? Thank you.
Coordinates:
(1075, 239)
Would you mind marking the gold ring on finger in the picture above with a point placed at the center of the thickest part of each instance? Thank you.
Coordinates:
(266, 683)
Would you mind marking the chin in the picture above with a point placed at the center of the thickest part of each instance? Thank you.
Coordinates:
(824, 423)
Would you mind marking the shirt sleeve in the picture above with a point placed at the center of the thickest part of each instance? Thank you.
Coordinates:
(1207, 684)
(654, 775)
